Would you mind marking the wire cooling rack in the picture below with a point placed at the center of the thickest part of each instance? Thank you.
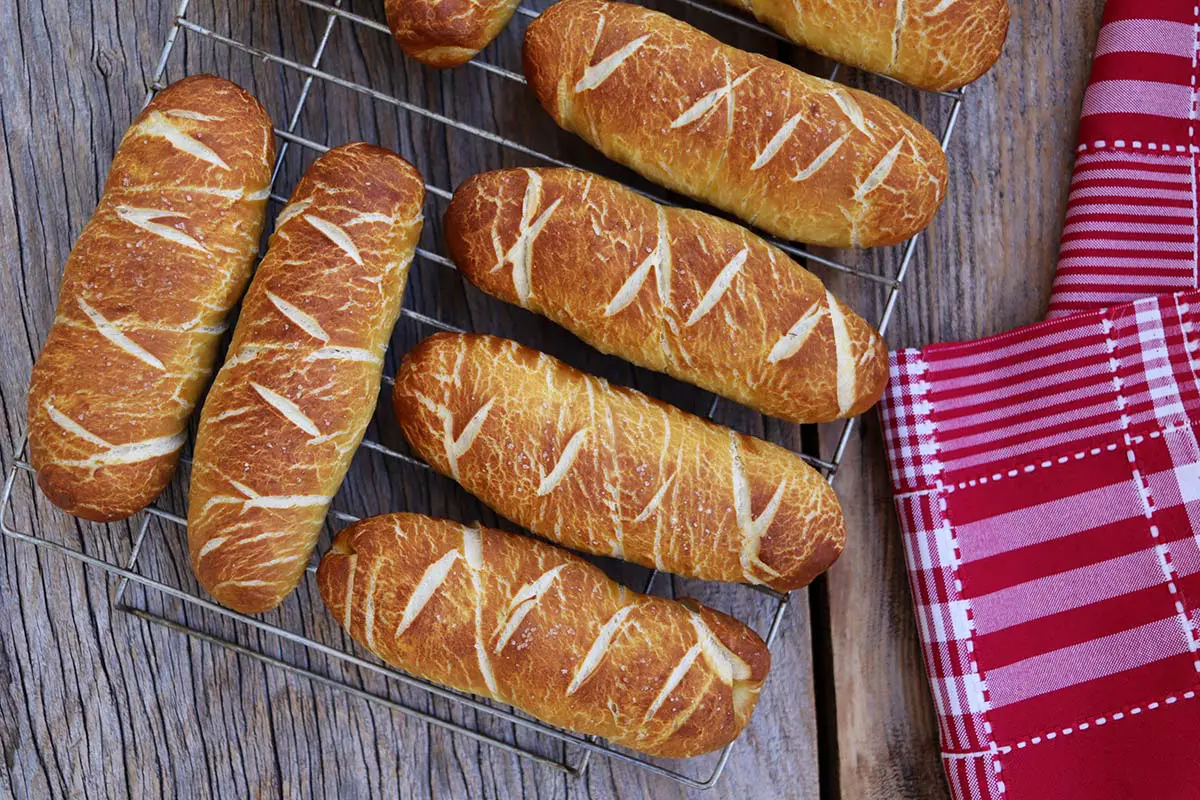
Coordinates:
(516, 733)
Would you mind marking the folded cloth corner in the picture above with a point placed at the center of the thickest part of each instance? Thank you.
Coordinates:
(1048, 486)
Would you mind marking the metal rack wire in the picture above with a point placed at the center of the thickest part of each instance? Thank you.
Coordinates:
(575, 750)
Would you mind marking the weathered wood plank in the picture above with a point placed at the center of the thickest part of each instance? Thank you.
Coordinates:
(103, 704)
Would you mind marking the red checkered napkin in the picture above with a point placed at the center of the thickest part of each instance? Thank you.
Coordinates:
(1048, 479)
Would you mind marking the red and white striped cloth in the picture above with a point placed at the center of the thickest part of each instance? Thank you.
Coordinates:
(1131, 216)
(1048, 479)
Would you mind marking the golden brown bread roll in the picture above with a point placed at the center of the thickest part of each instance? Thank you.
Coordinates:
(670, 289)
(510, 618)
(607, 470)
(447, 33)
(290, 406)
(795, 155)
(144, 298)
(930, 44)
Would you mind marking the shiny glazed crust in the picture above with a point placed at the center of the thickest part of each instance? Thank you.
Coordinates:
(931, 44)
(447, 33)
(144, 298)
(510, 618)
(670, 289)
(607, 470)
(798, 156)
(290, 406)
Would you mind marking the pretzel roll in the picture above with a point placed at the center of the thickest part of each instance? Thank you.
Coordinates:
(930, 44)
(669, 289)
(517, 620)
(607, 470)
(798, 156)
(144, 297)
(447, 33)
(290, 406)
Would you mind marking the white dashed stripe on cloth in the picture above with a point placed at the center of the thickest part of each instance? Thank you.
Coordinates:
(1098, 721)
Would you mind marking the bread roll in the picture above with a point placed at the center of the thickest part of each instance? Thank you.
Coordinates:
(670, 289)
(447, 33)
(930, 44)
(607, 470)
(510, 618)
(289, 407)
(798, 156)
(144, 297)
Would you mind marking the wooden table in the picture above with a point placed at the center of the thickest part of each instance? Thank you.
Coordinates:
(102, 704)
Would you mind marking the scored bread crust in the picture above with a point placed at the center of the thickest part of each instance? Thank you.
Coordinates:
(525, 623)
(144, 297)
(931, 44)
(447, 33)
(607, 470)
(670, 289)
(798, 156)
(293, 399)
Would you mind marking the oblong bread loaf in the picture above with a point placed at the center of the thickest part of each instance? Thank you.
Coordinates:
(670, 289)
(144, 297)
(525, 623)
(930, 44)
(290, 406)
(608, 470)
(447, 33)
(798, 156)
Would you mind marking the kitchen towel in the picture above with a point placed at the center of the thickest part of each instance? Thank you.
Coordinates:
(1048, 479)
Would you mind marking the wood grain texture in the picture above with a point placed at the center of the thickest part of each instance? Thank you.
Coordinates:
(101, 704)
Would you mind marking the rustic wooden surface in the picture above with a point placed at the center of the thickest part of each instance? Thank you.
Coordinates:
(101, 704)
